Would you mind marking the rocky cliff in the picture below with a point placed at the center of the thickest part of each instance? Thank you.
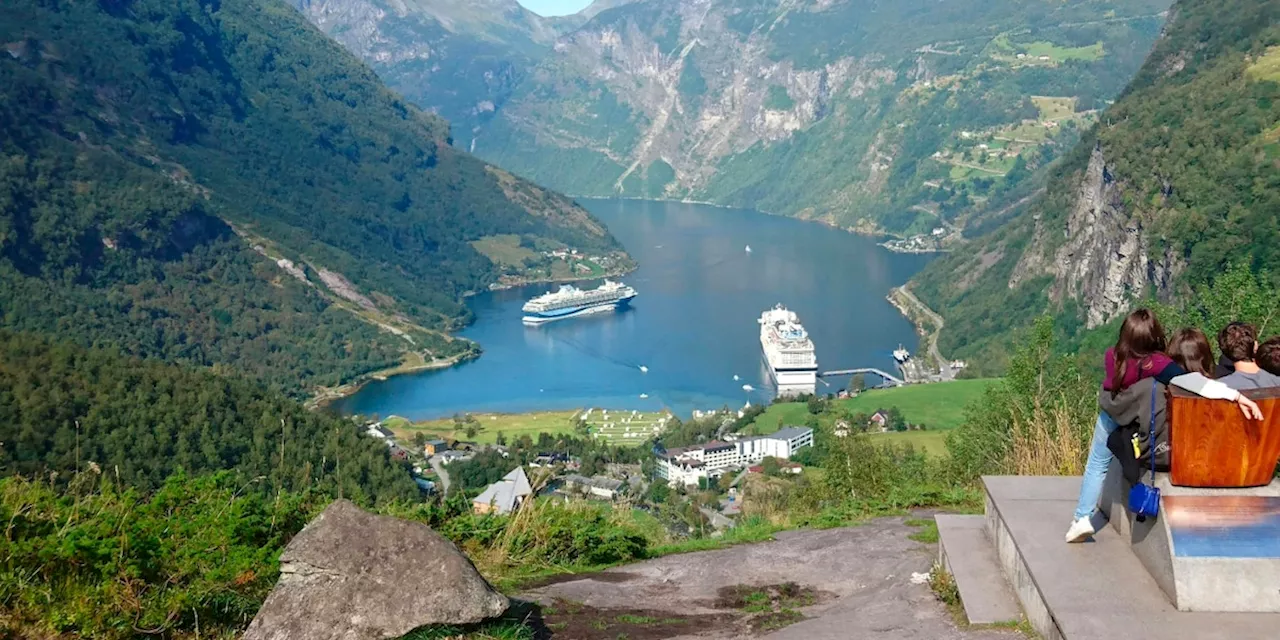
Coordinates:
(895, 117)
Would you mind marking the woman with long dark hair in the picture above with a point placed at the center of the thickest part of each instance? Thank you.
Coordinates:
(1139, 353)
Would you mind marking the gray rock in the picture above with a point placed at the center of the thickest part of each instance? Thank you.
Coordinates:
(352, 575)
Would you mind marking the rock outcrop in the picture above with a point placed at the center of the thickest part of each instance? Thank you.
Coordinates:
(352, 575)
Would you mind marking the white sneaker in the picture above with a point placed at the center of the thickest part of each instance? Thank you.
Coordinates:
(1080, 530)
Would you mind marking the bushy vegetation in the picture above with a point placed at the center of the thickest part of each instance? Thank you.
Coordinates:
(133, 133)
(64, 408)
(98, 560)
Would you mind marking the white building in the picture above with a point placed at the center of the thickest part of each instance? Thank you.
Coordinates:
(782, 445)
(687, 465)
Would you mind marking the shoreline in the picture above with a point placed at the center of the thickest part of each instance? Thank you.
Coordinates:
(324, 397)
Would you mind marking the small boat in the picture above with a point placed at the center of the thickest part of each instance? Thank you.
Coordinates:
(644, 396)
(748, 388)
(736, 378)
(644, 369)
(748, 248)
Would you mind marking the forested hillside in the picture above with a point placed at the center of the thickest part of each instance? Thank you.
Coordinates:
(217, 183)
(1180, 178)
(896, 117)
(65, 408)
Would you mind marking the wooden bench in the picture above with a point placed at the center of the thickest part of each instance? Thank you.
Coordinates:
(1212, 445)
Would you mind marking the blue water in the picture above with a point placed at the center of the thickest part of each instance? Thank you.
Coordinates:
(693, 324)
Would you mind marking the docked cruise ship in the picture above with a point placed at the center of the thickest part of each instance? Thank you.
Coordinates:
(571, 301)
(788, 351)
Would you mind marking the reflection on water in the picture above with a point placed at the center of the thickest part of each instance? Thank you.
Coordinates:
(693, 325)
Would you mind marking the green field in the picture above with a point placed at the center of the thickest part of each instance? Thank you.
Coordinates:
(490, 425)
(504, 250)
(621, 427)
(1054, 108)
(938, 406)
(1266, 67)
(933, 443)
(1062, 54)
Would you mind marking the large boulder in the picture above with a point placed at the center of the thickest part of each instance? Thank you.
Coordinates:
(352, 575)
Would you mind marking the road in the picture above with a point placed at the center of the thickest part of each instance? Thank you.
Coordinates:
(931, 334)
(434, 461)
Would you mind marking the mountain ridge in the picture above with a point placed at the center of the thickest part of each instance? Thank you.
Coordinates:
(221, 185)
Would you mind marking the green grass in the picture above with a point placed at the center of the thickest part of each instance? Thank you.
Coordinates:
(503, 249)
(1267, 67)
(500, 630)
(933, 443)
(939, 406)
(1062, 54)
(511, 425)
(928, 532)
(1054, 108)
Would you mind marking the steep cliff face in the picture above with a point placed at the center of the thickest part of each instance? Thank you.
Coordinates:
(1181, 179)
(894, 117)
(460, 58)
(1102, 259)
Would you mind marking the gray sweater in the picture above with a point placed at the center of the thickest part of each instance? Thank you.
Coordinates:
(1132, 407)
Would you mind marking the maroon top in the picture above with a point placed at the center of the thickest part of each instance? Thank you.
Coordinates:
(1156, 365)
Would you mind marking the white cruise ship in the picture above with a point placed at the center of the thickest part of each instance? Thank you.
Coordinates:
(788, 351)
(571, 301)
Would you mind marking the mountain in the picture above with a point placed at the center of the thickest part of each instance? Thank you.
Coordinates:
(1179, 179)
(217, 183)
(458, 58)
(880, 116)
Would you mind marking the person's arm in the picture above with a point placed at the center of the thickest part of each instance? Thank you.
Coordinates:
(1173, 370)
(1212, 389)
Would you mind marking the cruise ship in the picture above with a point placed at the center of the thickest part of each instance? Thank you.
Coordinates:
(571, 301)
(788, 351)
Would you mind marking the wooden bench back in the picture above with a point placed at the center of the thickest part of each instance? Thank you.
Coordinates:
(1212, 445)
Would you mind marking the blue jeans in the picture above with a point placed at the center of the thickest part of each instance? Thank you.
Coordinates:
(1095, 470)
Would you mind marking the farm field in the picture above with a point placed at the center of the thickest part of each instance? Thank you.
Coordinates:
(939, 406)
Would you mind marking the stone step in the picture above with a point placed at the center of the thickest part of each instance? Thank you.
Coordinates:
(966, 553)
(1099, 589)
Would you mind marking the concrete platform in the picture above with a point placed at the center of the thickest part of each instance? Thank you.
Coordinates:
(1209, 549)
(1094, 590)
(966, 553)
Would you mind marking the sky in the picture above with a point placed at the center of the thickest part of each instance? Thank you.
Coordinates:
(555, 7)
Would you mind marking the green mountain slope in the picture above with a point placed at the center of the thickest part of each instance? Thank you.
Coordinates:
(64, 408)
(879, 116)
(219, 184)
(1179, 179)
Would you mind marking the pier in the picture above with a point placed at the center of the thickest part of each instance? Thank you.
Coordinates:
(887, 377)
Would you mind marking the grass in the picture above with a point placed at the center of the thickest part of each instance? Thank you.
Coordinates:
(504, 249)
(944, 588)
(928, 532)
(939, 406)
(1267, 67)
(512, 426)
(933, 443)
(499, 630)
(625, 427)
(1056, 53)
(1054, 108)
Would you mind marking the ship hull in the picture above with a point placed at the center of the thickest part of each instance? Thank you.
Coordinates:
(534, 319)
(790, 381)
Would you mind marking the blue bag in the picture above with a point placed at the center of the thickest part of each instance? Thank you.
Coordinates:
(1144, 500)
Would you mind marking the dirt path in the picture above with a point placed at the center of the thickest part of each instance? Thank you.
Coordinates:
(855, 582)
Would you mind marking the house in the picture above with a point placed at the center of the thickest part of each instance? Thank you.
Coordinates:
(880, 418)
(781, 444)
(598, 486)
(432, 447)
(842, 429)
(376, 430)
(549, 459)
(505, 495)
(447, 457)
(783, 466)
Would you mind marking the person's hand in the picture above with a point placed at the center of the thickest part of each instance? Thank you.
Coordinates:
(1248, 407)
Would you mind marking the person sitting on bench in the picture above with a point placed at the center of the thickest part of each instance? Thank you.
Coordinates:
(1238, 342)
